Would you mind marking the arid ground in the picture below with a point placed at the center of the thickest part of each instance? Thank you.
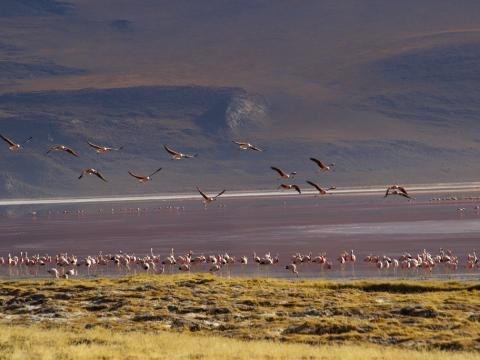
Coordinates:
(426, 317)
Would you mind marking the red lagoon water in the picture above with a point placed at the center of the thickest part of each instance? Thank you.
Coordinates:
(368, 225)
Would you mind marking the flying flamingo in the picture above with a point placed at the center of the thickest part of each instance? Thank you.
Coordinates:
(396, 187)
(283, 174)
(103, 149)
(396, 190)
(246, 146)
(178, 155)
(320, 190)
(209, 199)
(92, 171)
(143, 179)
(321, 165)
(13, 146)
(62, 148)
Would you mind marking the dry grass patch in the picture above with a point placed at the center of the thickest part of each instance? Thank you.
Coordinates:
(20, 343)
(414, 315)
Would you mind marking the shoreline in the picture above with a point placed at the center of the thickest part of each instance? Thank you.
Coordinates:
(334, 282)
(346, 191)
(461, 278)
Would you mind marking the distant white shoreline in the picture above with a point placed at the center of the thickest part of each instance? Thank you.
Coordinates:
(341, 191)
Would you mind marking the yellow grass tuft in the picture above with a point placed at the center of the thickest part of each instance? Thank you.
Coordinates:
(19, 343)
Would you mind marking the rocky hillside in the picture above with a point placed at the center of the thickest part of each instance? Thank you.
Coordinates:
(387, 93)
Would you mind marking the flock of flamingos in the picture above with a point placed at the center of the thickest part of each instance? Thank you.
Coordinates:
(177, 155)
(69, 265)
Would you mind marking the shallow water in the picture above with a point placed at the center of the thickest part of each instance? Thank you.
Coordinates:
(368, 225)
